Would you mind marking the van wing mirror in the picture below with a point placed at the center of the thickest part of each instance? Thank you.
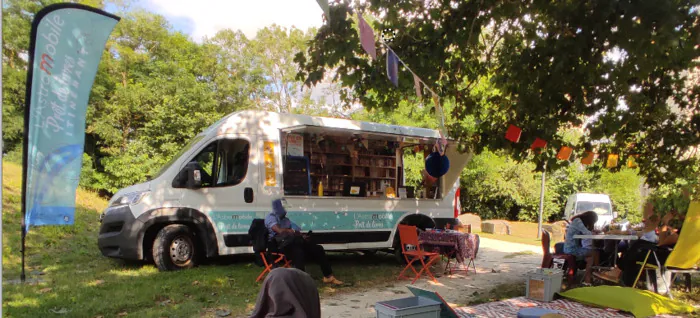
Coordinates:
(189, 177)
(615, 215)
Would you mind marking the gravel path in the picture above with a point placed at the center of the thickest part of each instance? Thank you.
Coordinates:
(498, 262)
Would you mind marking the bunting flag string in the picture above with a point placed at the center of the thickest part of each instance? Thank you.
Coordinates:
(366, 37)
(326, 9)
(588, 159)
(632, 161)
(416, 85)
(612, 161)
(564, 153)
(392, 68)
(513, 133)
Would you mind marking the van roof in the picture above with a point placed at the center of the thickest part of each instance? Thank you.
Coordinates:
(592, 197)
(263, 122)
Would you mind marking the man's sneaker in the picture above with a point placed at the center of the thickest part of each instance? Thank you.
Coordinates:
(332, 280)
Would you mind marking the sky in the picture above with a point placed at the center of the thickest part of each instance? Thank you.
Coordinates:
(205, 17)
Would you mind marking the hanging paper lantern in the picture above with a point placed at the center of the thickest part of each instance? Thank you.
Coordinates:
(612, 161)
(564, 153)
(437, 165)
(588, 159)
(632, 161)
(538, 143)
(513, 133)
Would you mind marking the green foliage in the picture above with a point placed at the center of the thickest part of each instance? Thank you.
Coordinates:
(496, 187)
(155, 89)
(624, 189)
(549, 67)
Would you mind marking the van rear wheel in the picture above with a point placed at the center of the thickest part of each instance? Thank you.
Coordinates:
(174, 248)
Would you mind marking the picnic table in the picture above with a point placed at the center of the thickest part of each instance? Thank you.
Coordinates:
(613, 237)
(461, 246)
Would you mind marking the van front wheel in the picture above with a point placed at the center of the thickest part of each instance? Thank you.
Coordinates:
(174, 248)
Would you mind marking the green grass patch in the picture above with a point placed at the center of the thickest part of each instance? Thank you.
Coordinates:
(67, 274)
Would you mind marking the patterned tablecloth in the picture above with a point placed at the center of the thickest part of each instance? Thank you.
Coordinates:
(446, 242)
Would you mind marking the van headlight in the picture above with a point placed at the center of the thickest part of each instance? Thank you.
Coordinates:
(132, 198)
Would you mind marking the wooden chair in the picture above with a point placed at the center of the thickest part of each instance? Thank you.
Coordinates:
(409, 235)
(548, 258)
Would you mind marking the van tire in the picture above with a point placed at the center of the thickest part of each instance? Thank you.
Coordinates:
(174, 248)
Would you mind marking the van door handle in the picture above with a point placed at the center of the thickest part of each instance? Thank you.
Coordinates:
(248, 195)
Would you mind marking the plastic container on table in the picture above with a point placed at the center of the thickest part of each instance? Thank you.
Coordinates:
(543, 283)
(413, 307)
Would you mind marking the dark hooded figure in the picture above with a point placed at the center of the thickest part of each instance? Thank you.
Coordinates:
(286, 236)
(287, 293)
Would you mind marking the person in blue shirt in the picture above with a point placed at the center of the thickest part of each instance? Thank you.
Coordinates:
(296, 246)
(582, 224)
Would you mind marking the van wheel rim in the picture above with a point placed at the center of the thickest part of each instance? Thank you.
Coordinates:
(181, 250)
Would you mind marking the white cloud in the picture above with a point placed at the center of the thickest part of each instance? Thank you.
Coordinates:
(209, 16)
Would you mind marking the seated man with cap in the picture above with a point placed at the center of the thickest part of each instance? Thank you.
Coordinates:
(286, 235)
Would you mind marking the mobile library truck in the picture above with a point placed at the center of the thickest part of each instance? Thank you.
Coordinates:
(344, 180)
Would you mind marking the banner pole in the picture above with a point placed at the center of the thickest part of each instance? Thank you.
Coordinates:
(24, 234)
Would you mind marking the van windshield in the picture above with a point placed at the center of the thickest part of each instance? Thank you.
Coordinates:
(597, 207)
(189, 145)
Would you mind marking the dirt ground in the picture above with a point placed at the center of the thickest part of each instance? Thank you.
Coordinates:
(497, 262)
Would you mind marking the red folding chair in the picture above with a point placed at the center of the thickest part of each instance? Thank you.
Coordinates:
(409, 235)
(548, 258)
(275, 259)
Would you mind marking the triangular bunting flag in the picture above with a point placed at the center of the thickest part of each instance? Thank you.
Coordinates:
(564, 153)
(538, 143)
(326, 9)
(436, 100)
(392, 67)
(367, 37)
(632, 161)
(416, 85)
(513, 133)
(588, 159)
(612, 161)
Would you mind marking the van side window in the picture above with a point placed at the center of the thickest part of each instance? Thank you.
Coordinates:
(224, 162)
(232, 162)
(205, 159)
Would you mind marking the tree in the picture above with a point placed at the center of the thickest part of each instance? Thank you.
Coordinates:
(608, 67)
(273, 53)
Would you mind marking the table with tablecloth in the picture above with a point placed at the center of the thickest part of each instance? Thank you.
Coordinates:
(463, 245)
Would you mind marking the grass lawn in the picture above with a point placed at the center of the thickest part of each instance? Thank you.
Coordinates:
(67, 274)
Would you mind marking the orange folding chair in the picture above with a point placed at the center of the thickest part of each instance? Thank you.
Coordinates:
(271, 260)
(409, 235)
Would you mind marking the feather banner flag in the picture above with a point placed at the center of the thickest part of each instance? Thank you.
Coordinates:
(392, 67)
(416, 85)
(612, 160)
(513, 133)
(326, 9)
(538, 143)
(565, 153)
(588, 159)
(367, 37)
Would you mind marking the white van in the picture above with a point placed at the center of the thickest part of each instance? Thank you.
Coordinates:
(583, 202)
(202, 203)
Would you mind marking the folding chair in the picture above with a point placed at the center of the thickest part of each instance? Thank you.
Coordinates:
(409, 235)
(685, 256)
(548, 258)
(272, 260)
(260, 240)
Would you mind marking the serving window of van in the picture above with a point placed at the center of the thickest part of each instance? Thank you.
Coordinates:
(324, 162)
